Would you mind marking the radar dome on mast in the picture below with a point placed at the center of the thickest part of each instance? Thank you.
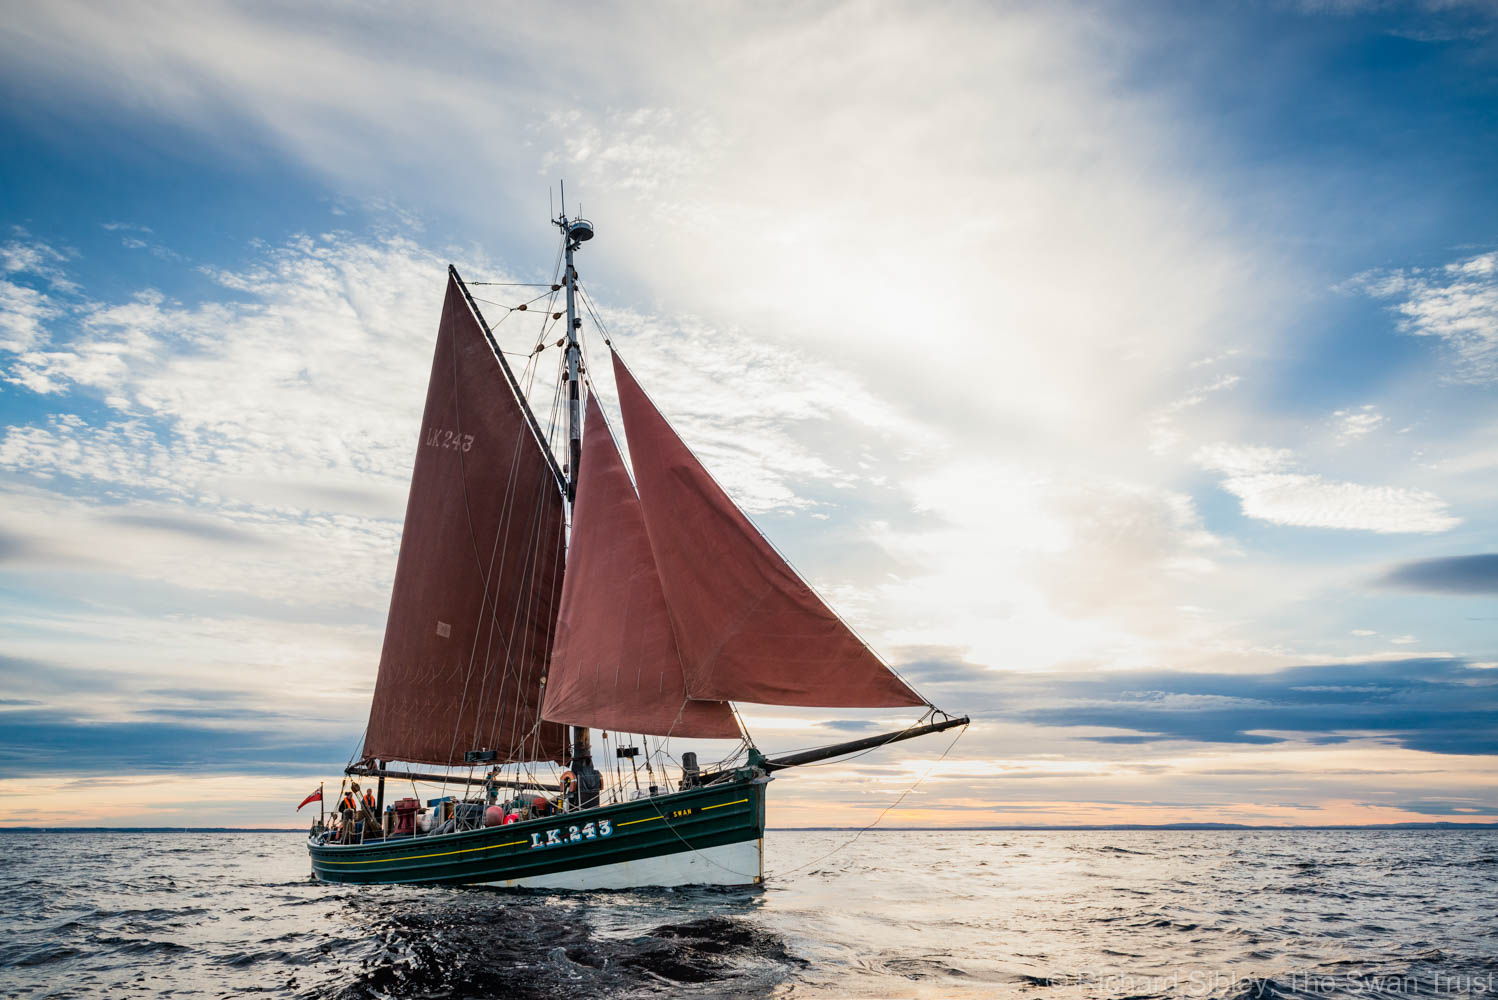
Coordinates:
(580, 230)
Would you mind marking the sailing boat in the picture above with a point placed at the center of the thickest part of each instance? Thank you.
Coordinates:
(535, 602)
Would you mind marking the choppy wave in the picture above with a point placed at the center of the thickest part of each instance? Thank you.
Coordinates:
(1230, 915)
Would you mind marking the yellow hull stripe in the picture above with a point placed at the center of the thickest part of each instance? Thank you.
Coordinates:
(647, 819)
(720, 805)
(418, 857)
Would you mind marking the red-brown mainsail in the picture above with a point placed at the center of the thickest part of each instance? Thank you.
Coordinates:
(615, 664)
(479, 575)
(748, 627)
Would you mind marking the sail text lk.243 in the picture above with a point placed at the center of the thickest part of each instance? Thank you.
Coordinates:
(438, 438)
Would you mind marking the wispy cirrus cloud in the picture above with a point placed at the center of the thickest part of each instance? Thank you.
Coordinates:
(1355, 422)
(1310, 501)
(25, 308)
(1269, 489)
(1456, 304)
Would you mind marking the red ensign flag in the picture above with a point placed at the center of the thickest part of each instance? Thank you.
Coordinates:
(314, 797)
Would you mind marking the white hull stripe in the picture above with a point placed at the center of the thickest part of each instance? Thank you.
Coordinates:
(730, 864)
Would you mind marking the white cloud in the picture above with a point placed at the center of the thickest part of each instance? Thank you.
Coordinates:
(24, 255)
(1262, 479)
(1312, 502)
(1165, 432)
(1457, 303)
(243, 385)
(282, 414)
(1355, 422)
(1239, 460)
(24, 309)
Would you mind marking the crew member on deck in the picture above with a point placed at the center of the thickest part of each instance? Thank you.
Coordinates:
(518, 807)
(491, 786)
(348, 808)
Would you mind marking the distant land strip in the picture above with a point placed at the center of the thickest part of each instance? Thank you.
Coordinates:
(1439, 825)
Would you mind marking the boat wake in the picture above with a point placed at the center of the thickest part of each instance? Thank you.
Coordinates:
(487, 944)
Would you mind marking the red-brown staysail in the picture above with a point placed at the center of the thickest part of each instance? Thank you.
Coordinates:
(479, 575)
(615, 663)
(748, 627)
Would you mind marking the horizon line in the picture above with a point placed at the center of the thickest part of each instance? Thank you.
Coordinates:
(1079, 827)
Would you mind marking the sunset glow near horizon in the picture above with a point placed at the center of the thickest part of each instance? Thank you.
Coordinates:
(1125, 376)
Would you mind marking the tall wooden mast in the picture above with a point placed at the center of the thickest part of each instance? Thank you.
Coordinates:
(575, 232)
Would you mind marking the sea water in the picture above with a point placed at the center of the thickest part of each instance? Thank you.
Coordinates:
(1049, 915)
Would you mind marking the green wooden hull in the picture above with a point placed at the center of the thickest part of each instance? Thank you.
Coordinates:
(670, 832)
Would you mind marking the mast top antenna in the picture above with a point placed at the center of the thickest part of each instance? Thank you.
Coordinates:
(580, 230)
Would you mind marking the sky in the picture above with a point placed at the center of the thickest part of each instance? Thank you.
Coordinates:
(1125, 374)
